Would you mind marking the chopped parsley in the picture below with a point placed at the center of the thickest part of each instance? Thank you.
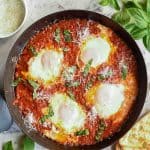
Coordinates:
(35, 87)
(89, 85)
(67, 36)
(16, 82)
(57, 35)
(33, 50)
(87, 67)
(65, 49)
(101, 128)
(82, 132)
(50, 114)
(124, 72)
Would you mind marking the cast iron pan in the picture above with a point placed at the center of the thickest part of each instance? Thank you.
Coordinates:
(37, 26)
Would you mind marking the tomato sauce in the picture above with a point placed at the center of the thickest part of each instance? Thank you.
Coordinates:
(120, 53)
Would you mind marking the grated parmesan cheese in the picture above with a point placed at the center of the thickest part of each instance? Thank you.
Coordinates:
(12, 13)
(29, 120)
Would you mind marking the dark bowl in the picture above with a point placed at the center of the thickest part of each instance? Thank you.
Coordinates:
(37, 26)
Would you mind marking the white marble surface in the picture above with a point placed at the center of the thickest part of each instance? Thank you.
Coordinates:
(40, 8)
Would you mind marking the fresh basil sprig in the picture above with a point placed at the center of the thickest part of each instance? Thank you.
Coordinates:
(35, 87)
(28, 144)
(82, 132)
(8, 146)
(135, 18)
(112, 3)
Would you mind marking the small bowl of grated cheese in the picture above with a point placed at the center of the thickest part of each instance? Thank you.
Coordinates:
(12, 16)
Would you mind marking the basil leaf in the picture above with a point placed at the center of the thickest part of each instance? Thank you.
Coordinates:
(72, 84)
(146, 41)
(28, 144)
(138, 33)
(57, 35)
(130, 27)
(114, 3)
(50, 114)
(87, 67)
(35, 87)
(148, 7)
(124, 72)
(103, 76)
(69, 72)
(104, 2)
(139, 17)
(16, 82)
(121, 17)
(82, 132)
(89, 85)
(33, 50)
(71, 95)
(101, 128)
(67, 36)
(8, 146)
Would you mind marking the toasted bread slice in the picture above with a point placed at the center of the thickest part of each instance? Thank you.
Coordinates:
(138, 137)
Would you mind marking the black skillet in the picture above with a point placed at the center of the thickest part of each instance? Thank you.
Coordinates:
(37, 26)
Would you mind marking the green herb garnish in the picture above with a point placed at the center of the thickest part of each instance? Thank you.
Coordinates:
(67, 36)
(124, 72)
(71, 95)
(65, 49)
(50, 114)
(69, 72)
(87, 67)
(105, 75)
(82, 132)
(89, 85)
(72, 84)
(28, 144)
(8, 146)
(16, 82)
(134, 17)
(35, 87)
(33, 50)
(57, 35)
(112, 3)
(101, 128)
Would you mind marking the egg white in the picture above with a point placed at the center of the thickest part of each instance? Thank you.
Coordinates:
(46, 65)
(95, 48)
(68, 115)
(108, 99)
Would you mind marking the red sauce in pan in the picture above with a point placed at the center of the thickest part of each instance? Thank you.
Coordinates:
(45, 39)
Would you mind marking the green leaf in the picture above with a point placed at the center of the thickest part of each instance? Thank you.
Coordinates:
(65, 49)
(138, 33)
(104, 2)
(49, 115)
(35, 87)
(33, 50)
(57, 35)
(28, 144)
(101, 128)
(106, 75)
(146, 41)
(71, 95)
(89, 85)
(16, 82)
(114, 4)
(67, 36)
(7, 146)
(148, 7)
(87, 67)
(124, 71)
(121, 17)
(82, 132)
(130, 27)
(139, 17)
(72, 84)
